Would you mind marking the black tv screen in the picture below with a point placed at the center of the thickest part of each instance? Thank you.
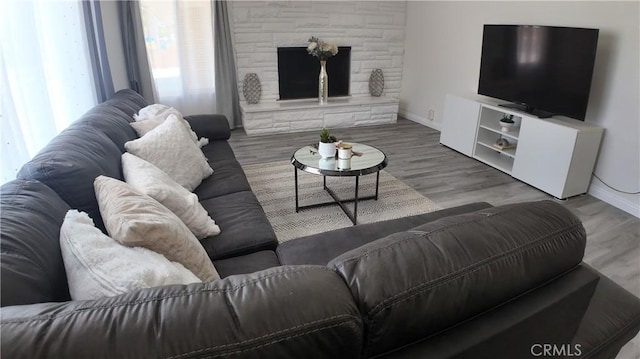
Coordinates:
(298, 73)
(546, 70)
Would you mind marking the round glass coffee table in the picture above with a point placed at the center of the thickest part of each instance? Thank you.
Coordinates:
(366, 160)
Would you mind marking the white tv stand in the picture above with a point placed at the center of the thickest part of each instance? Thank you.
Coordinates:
(556, 156)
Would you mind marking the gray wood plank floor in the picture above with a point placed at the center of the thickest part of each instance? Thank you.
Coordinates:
(450, 179)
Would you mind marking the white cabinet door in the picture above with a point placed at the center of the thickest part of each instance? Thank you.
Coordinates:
(460, 124)
(544, 154)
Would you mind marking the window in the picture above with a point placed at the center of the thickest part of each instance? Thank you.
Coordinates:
(179, 42)
(45, 75)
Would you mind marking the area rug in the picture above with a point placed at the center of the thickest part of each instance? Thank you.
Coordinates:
(273, 185)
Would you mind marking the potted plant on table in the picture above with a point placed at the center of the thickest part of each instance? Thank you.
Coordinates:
(506, 122)
(327, 145)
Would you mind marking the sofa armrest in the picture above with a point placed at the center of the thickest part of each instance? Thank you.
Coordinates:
(280, 312)
(213, 127)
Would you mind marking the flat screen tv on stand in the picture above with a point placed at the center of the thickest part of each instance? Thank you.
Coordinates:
(542, 70)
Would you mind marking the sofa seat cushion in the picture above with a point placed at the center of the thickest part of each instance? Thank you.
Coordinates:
(460, 265)
(97, 266)
(320, 248)
(247, 263)
(32, 270)
(218, 151)
(228, 177)
(244, 227)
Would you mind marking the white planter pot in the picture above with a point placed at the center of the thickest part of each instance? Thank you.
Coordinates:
(506, 126)
(327, 150)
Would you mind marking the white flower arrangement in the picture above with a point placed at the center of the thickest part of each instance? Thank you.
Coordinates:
(320, 49)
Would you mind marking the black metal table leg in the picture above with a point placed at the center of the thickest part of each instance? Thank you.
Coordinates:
(295, 175)
(353, 215)
(377, 183)
(355, 202)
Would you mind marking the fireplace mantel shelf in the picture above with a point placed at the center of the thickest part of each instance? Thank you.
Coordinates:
(306, 104)
(304, 115)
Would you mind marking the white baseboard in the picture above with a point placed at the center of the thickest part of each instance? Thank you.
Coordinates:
(604, 193)
(421, 120)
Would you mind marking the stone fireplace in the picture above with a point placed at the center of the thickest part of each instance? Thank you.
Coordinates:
(375, 32)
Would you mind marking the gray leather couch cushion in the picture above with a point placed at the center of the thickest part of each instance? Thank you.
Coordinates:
(128, 101)
(416, 283)
(247, 263)
(612, 319)
(218, 151)
(320, 248)
(548, 314)
(243, 224)
(212, 126)
(228, 177)
(70, 163)
(112, 122)
(285, 312)
(32, 269)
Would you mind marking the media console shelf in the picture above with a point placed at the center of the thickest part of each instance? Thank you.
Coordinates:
(556, 156)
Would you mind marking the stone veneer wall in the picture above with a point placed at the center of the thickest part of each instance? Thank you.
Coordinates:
(374, 30)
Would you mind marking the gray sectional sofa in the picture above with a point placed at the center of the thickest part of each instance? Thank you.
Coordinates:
(469, 282)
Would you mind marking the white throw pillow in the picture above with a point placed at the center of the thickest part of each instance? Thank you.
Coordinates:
(152, 116)
(97, 266)
(150, 180)
(137, 220)
(150, 111)
(169, 147)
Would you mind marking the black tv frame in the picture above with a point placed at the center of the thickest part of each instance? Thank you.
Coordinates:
(556, 81)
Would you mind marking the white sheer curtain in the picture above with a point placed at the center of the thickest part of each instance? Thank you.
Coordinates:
(45, 76)
(179, 42)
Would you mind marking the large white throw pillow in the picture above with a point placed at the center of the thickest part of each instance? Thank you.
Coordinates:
(152, 116)
(169, 147)
(137, 220)
(150, 180)
(97, 266)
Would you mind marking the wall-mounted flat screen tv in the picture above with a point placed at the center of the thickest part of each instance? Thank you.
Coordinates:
(298, 73)
(543, 70)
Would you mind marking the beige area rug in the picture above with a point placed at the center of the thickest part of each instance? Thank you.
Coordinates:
(273, 185)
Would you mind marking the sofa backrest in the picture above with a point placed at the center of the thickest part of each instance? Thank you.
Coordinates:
(414, 284)
(31, 269)
(282, 312)
(88, 148)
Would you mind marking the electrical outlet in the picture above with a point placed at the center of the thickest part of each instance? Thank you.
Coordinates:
(432, 114)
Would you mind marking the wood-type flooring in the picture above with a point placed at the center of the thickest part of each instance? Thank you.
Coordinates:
(449, 178)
